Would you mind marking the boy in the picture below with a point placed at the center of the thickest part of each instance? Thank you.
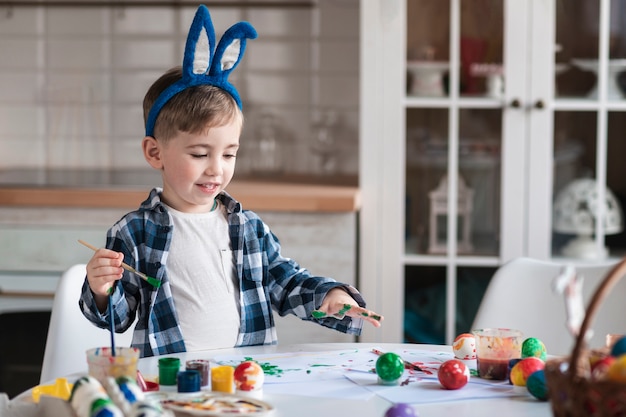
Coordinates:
(219, 267)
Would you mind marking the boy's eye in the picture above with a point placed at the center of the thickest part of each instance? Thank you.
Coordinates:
(196, 155)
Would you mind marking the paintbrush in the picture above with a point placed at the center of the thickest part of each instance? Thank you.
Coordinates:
(112, 323)
(152, 281)
(407, 364)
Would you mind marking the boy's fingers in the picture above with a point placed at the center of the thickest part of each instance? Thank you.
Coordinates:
(352, 311)
(365, 314)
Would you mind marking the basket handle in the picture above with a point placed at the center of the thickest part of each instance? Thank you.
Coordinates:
(614, 275)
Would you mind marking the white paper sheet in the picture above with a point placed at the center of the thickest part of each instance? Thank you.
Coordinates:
(350, 374)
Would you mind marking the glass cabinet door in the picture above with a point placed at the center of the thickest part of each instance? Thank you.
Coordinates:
(453, 162)
(454, 127)
(589, 188)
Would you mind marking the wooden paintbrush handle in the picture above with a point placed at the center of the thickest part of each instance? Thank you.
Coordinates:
(124, 265)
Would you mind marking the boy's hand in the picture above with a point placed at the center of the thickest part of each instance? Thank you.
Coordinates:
(103, 269)
(338, 303)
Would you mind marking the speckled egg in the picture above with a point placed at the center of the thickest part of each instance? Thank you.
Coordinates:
(249, 376)
(389, 368)
(537, 386)
(453, 374)
(533, 347)
(464, 346)
(523, 369)
(619, 348)
(401, 410)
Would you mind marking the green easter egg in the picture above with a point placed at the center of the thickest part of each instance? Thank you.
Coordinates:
(537, 386)
(389, 367)
(533, 347)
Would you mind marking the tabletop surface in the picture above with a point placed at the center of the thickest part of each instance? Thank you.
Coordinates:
(351, 394)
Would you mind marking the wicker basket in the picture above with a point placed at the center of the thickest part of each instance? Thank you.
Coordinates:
(571, 390)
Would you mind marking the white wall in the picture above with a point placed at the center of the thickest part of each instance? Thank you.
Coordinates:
(72, 79)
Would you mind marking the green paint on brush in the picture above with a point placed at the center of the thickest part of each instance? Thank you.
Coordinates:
(153, 281)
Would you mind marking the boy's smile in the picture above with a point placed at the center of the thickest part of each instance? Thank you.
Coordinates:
(195, 167)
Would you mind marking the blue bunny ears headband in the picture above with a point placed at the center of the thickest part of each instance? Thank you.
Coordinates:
(204, 63)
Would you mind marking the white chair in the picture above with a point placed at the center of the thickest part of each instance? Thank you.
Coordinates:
(520, 295)
(70, 334)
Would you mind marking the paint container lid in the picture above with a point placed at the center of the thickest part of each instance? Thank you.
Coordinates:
(168, 369)
(189, 381)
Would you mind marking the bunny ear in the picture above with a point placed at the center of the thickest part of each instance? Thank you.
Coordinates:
(231, 48)
(203, 63)
(228, 54)
(200, 44)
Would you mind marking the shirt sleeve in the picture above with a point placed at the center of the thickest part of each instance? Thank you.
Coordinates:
(294, 290)
(124, 297)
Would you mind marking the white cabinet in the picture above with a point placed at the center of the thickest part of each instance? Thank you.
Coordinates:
(475, 115)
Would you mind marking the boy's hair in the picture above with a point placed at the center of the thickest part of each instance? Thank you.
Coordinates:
(192, 110)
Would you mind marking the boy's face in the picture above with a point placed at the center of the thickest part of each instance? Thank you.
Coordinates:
(195, 167)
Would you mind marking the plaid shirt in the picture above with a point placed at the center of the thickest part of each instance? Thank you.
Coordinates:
(266, 280)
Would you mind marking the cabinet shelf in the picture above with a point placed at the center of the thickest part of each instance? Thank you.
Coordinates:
(587, 104)
(412, 102)
(442, 260)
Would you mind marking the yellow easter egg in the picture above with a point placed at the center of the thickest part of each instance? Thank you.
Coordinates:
(523, 369)
(617, 370)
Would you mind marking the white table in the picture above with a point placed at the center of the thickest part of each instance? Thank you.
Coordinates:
(305, 406)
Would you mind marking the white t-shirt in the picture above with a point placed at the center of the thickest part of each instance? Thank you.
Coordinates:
(202, 275)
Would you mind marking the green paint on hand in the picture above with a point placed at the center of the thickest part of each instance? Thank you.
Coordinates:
(344, 310)
(376, 317)
(318, 314)
(364, 314)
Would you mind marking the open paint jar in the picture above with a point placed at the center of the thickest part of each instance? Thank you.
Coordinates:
(494, 349)
(102, 364)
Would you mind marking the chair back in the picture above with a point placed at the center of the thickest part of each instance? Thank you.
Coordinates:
(520, 295)
(70, 334)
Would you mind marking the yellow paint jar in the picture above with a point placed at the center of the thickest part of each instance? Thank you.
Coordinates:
(222, 379)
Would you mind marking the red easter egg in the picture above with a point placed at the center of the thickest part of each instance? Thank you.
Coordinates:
(453, 374)
(524, 368)
(600, 368)
(248, 376)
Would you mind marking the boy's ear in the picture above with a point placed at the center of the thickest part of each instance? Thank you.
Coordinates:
(152, 152)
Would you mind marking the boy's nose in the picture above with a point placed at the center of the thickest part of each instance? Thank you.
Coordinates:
(214, 167)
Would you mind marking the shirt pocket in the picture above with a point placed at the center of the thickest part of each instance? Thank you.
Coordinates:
(229, 274)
